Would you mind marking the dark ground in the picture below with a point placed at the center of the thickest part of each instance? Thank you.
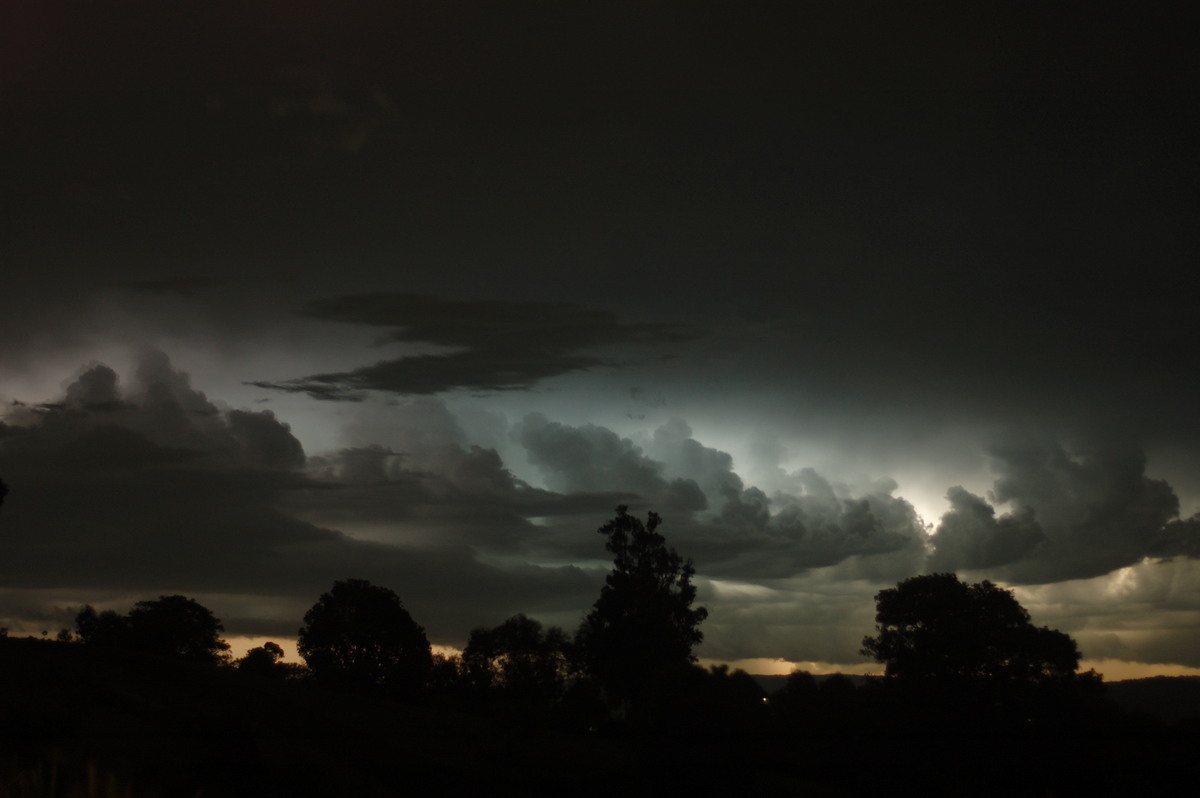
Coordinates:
(81, 722)
(158, 727)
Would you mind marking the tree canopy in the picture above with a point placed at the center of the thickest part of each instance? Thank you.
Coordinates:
(266, 662)
(171, 626)
(643, 625)
(519, 658)
(360, 635)
(105, 629)
(936, 627)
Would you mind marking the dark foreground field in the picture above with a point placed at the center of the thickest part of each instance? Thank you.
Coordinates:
(142, 726)
(79, 722)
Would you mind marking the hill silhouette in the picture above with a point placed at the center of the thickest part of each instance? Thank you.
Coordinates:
(1169, 698)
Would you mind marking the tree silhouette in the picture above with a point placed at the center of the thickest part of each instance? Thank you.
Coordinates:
(170, 626)
(519, 659)
(177, 626)
(3, 492)
(359, 635)
(798, 696)
(938, 627)
(104, 629)
(264, 662)
(643, 626)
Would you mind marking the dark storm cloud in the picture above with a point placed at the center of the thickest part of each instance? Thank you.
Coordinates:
(94, 389)
(452, 496)
(810, 523)
(502, 345)
(264, 441)
(593, 459)
(438, 487)
(1180, 537)
(1075, 514)
(971, 537)
(684, 456)
(813, 526)
(154, 488)
(144, 488)
(731, 530)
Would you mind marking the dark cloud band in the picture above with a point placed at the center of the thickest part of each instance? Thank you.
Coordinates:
(503, 345)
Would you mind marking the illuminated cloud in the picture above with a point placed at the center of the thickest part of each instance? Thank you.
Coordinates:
(1072, 516)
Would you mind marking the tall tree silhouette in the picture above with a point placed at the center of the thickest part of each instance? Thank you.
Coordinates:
(643, 625)
(359, 635)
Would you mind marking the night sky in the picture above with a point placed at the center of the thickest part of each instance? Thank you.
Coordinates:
(419, 292)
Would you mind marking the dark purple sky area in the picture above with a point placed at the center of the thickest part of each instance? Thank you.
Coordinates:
(418, 292)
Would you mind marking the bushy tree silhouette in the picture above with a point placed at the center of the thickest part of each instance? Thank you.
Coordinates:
(519, 660)
(265, 662)
(643, 625)
(177, 626)
(798, 696)
(359, 635)
(937, 627)
(171, 626)
(101, 629)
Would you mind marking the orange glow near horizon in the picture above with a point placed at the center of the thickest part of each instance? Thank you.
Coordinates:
(766, 666)
(240, 644)
(1113, 670)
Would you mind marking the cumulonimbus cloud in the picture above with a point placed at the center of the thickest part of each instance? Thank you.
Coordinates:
(1073, 515)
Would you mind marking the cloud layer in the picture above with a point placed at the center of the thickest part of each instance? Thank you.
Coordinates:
(126, 490)
(154, 488)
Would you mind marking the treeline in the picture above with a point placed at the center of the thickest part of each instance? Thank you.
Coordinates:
(973, 693)
(634, 647)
